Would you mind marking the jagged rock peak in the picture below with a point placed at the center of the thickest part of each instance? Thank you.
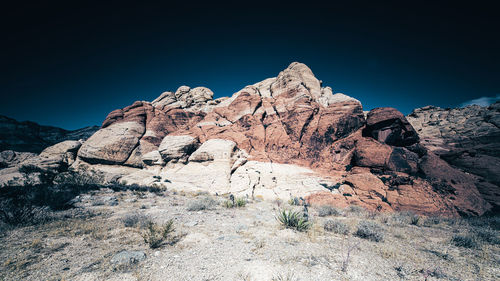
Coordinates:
(184, 97)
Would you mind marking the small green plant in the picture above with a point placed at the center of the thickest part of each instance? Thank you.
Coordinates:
(370, 230)
(327, 210)
(415, 219)
(284, 277)
(237, 203)
(292, 219)
(336, 227)
(156, 235)
(294, 201)
(465, 240)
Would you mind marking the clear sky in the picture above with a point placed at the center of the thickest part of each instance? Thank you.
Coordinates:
(69, 65)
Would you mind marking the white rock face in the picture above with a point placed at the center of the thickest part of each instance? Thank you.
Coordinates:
(177, 147)
(152, 158)
(209, 167)
(270, 180)
(215, 150)
(297, 76)
(113, 144)
(106, 174)
(61, 148)
(328, 98)
(190, 99)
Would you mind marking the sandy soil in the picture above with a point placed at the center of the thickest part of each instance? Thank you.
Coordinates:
(245, 243)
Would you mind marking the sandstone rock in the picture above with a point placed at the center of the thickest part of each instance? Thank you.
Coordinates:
(84, 173)
(467, 138)
(271, 180)
(389, 126)
(213, 150)
(127, 258)
(69, 146)
(53, 159)
(282, 137)
(113, 144)
(177, 147)
(153, 158)
(371, 153)
(10, 158)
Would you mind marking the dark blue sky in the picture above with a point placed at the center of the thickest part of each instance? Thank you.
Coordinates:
(69, 66)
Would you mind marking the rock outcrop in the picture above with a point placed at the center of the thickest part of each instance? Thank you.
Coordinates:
(467, 138)
(282, 137)
(31, 137)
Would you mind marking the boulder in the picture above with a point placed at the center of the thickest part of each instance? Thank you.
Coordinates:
(113, 144)
(371, 153)
(125, 259)
(10, 158)
(53, 159)
(389, 126)
(152, 158)
(177, 148)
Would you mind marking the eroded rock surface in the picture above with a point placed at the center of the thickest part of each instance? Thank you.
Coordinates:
(467, 138)
(283, 137)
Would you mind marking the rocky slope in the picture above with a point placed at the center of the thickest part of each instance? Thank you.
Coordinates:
(467, 138)
(282, 137)
(31, 137)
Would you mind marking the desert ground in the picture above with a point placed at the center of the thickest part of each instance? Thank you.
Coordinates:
(103, 237)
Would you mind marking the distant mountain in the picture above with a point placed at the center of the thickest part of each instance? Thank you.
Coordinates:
(28, 136)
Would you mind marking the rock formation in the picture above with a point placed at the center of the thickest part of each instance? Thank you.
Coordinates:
(282, 137)
(468, 139)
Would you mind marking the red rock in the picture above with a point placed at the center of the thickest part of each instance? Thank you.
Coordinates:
(291, 119)
(389, 126)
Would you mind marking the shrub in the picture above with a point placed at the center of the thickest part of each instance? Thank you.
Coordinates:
(31, 205)
(30, 169)
(464, 240)
(326, 210)
(25, 215)
(415, 219)
(487, 235)
(430, 221)
(135, 219)
(370, 230)
(407, 217)
(238, 203)
(485, 222)
(355, 209)
(293, 220)
(202, 203)
(336, 226)
(156, 235)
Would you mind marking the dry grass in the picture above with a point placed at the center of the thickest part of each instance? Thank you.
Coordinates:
(81, 246)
